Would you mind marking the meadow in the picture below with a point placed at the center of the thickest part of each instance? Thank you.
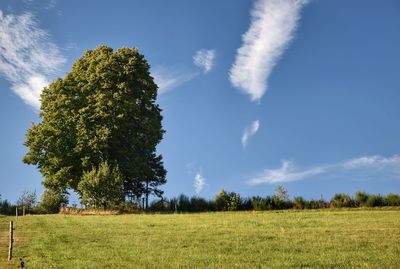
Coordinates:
(342, 238)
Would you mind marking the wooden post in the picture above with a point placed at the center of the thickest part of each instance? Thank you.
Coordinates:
(23, 210)
(10, 249)
(16, 212)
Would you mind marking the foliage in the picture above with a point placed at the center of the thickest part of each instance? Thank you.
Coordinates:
(52, 200)
(227, 201)
(393, 199)
(259, 203)
(231, 201)
(375, 200)
(28, 199)
(299, 202)
(104, 109)
(280, 199)
(222, 200)
(6, 208)
(102, 187)
(361, 198)
(342, 200)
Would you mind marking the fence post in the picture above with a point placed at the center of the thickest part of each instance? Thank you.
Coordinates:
(23, 210)
(10, 249)
(16, 212)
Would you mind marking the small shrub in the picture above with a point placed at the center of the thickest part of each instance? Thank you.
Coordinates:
(375, 200)
(52, 200)
(234, 202)
(393, 199)
(299, 203)
(184, 203)
(102, 187)
(222, 200)
(361, 198)
(315, 204)
(342, 200)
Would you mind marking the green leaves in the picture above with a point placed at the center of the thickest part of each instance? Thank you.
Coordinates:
(102, 187)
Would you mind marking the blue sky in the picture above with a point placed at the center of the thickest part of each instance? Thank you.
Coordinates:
(255, 94)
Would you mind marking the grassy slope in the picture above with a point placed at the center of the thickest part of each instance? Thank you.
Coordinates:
(286, 239)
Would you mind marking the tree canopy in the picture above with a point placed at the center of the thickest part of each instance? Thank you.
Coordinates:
(103, 110)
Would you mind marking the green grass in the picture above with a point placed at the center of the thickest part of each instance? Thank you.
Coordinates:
(280, 239)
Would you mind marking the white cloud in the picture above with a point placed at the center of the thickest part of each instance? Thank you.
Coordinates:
(27, 56)
(376, 161)
(170, 78)
(249, 132)
(204, 59)
(199, 183)
(273, 23)
(389, 166)
(286, 173)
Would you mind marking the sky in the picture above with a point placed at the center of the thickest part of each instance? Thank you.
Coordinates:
(255, 93)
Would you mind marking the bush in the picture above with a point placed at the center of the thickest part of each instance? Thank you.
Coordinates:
(159, 205)
(184, 203)
(221, 200)
(393, 199)
(228, 201)
(342, 200)
(361, 198)
(258, 203)
(280, 200)
(199, 204)
(102, 187)
(234, 202)
(299, 203)
(315, 204)
(52, 200)
(6, 208)
(375, 200)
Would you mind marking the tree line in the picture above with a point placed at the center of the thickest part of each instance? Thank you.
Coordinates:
(51, 202)
(231, 201)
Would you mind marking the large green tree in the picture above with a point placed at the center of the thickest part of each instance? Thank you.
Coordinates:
(104, 110)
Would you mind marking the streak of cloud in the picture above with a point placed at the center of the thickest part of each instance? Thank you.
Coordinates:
(27, 56)
(288, 171)
(249, 132)
(272, 27)
(199, 182)
(170, 78)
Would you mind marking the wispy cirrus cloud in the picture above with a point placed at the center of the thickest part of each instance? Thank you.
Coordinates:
(199, 182)
(27, 56)
(375, 161)
(170, 78)
(289, 171)
(249, 132)
(204, 59)
(273, 23)
(286, 173)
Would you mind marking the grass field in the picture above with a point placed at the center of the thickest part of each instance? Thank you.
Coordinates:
(279, 239)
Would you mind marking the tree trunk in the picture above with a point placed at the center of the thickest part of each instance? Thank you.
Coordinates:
(147, 195)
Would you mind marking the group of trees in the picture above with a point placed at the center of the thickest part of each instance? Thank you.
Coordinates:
(99, 129)
(6, 208)
(231, 201)
(51, 201)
